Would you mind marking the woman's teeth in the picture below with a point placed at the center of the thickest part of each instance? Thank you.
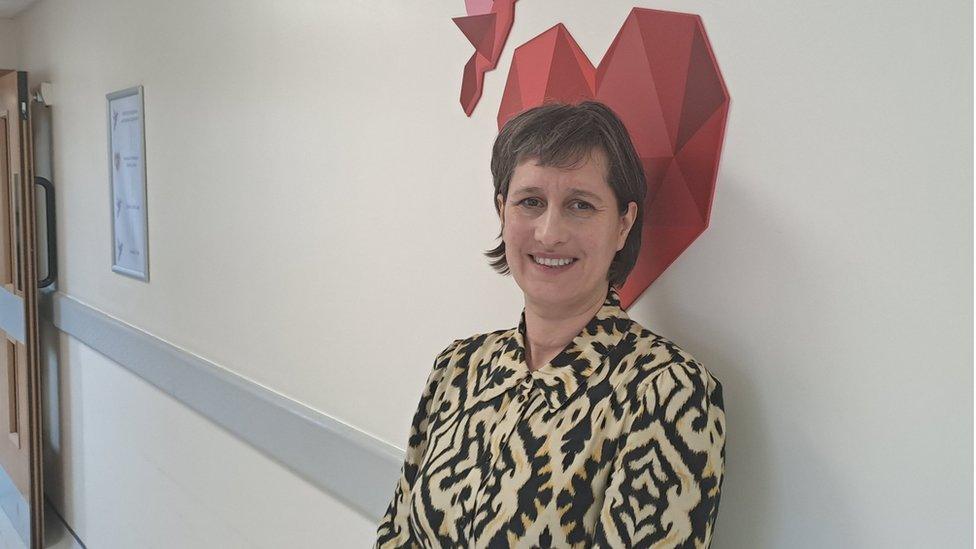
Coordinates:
(552, 262)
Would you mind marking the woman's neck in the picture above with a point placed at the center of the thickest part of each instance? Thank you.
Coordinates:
(547, 331)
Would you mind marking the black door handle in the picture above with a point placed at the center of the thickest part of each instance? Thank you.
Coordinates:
(52, 238)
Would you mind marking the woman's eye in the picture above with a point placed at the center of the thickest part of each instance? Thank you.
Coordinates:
(586, 205)
(530, 202)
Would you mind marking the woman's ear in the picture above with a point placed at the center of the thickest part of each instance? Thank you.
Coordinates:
(627, 222)
(500, 200)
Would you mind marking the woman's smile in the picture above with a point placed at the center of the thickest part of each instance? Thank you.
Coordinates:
(552, 266)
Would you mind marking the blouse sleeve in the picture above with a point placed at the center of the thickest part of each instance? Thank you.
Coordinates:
(665, 485)
(393, 529)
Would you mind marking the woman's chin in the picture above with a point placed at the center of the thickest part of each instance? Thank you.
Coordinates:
(551, 292)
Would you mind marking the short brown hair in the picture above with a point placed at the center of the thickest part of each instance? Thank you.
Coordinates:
(561, 135)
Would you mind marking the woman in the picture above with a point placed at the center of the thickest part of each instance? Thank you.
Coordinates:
(578, 428)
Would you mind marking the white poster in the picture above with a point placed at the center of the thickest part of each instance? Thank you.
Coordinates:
(127, 166)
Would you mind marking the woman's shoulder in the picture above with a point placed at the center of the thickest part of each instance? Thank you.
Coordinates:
(483, 341)
(654, 358)
(474, 347)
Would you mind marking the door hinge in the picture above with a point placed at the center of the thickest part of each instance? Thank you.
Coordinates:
(22, 95)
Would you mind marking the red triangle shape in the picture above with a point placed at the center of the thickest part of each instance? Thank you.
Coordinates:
(479, 30)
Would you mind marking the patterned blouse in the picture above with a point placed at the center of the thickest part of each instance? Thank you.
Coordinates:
(619, 441)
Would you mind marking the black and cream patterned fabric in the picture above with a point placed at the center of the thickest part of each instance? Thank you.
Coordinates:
(619, 441)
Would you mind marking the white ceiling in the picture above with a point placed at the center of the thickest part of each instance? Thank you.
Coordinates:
(11, 8)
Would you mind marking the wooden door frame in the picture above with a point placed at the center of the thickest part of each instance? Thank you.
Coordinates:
(24, 286)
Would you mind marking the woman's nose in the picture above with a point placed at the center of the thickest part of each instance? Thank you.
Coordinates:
(551, 228)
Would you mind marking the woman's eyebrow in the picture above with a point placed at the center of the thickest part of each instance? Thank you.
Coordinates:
(572, 192)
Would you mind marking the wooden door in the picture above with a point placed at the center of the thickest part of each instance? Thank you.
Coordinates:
(21, 486)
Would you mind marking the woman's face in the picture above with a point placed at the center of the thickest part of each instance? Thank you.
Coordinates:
(562, 214)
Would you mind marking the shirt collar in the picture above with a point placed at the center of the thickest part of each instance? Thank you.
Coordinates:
(561, 377)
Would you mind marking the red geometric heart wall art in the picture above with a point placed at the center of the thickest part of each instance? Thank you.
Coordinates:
(661, 78)
(486, 26)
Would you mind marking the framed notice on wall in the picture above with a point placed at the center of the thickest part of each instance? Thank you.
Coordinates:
(127, 172)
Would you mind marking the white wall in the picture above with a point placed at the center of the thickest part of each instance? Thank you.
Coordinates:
(9, 45)
(317, 197)
(140, 469)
